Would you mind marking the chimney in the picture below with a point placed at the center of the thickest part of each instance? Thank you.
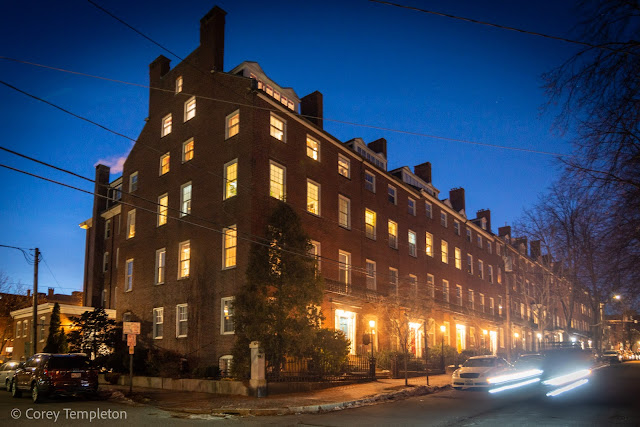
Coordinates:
(521, 245)
(505, 232)
(535, 249)
(212, 39)
(423, 171)
(28, 292)
(157, 70)
(486, 214)
(311, 105)
(456, 197)
(50, 293)
(379, 146)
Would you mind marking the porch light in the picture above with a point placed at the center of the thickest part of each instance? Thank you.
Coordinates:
(443, 329)
(515, 334)
(372, 323)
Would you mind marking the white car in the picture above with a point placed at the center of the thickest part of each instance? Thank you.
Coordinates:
(476, 370)
(6, 373)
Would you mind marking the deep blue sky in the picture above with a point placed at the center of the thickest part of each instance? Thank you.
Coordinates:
(375, 64)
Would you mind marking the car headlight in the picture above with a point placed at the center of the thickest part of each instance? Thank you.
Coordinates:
(456, 373)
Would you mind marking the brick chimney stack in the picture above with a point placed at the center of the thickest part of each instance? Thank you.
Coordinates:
(456, 197)
(505, 232)
(535, 249)
(312, 106)
(379, 146)
(423, 171)
(486, 214)
(212, 39)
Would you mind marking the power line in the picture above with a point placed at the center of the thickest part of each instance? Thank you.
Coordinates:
(49, 268)
(28, 257)
(255, 107)
(502, 27)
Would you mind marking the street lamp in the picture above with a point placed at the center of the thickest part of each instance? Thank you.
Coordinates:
(539, 335)
(617, 297)
(443, 329)
(372, 324)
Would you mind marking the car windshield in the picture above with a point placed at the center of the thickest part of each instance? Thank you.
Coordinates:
(479, 363)
(76, 362)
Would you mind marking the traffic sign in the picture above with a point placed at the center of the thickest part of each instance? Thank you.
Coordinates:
(131, 328)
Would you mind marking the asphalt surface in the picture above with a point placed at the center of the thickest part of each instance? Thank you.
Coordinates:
(611, 397)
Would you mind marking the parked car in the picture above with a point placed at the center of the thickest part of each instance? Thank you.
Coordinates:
(6, 373)
(45, 375)
(611, 356)
(476, 370)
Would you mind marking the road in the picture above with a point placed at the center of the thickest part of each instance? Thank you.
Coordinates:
(610, 398)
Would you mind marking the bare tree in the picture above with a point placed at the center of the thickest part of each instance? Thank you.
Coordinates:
(12, 297)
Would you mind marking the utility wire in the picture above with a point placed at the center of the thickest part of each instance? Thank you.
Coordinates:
(25, 253)
(502, 27)
(255, 107)
(50, 271)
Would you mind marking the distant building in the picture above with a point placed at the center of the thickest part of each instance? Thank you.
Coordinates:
(168, 242)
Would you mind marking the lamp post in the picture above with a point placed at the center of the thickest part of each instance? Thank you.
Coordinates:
(372, 325)
(443, 329)
(539, 335)
(372, 361)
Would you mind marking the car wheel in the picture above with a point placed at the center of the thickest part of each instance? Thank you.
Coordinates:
(36, 396)
(14, 389)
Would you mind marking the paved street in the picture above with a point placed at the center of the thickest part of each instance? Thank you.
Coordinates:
(610, 398)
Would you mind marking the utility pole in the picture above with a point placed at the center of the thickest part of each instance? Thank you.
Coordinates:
(34, 336)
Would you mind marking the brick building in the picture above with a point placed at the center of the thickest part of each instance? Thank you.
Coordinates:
(168, 242)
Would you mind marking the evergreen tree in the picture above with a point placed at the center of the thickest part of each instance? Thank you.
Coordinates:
(279, 304)
(93, 333)
(56, 340)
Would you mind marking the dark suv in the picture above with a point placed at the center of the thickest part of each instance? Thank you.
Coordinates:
(46, 374)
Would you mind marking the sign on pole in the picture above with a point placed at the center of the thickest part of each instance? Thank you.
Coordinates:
(131, 328)
(131, 340)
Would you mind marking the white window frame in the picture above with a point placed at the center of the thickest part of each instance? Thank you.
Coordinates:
(182, 263)
(310, 185)
(185, 204)
(191, 152)
(456, 226)
(413, 247)
(458, 258)
(470, 264)
(413, 284)
(133, 182)
(158, 313)
(392, 193)
(313, 152)
(107, 229)
(393, 281)
(428, 248)
(315, 251)
(443, 219)
(370, 274)
(344, 170)
(229, 244)
(230, 180)
(167, 125)
(344, 201)
(444, 251)
(161, 266)
(229, 314)
(372, 183)
(471, 299)
(370, 229)
(393, 238)
(481, 268)
(445, 290)
(131, 224)
(128, 275)
(179, 83)
(459, 295)
(428, 208)
(283, 184)
(180, 320)
(162, 217)
(229, 128)
(274, 130)
(168, 157)
(190, 109)
(344, 266)
(479, 240)
(411, 206)
(431, 285)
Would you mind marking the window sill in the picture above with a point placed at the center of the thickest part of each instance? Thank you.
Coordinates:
(181, 336)
(227, 333)
(157, 338)
(229, 268)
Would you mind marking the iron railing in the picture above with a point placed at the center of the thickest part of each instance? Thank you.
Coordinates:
(356, 368)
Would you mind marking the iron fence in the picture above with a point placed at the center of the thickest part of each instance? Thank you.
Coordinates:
(355, 368)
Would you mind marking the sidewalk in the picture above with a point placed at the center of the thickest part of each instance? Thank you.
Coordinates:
(346, 396)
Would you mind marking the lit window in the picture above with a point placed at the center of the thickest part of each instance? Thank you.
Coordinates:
(232, 127)
(392, 195)
(499, 275)
(481, 268)
(458, 255)
(456, 226)
(133, 182)
(131, 223)
(313, 197)
(370, 223)
(277, 128)
(458, 294)
(190, 109)
(393, 281)
(226, 316)
(231, 179)
(344, 166)
(166, 125)
(429, 244)
(371, 274)
(185, 199)
(469, 263)
(128, 278)
(471, 300)
(181, 320)
(184, 266)
(431, 287)
(179, 84)
(444, 247)
(187, 150)
(393, 234)
(370, 181)
(344, 212)
(165, 163)
(313, 148)
(161, 257)
(158, 323)
(344, 259)
(277, 181)
(481, 302)
(412, 243)
(411, 206)
(443, 218)
(445, 290)
(229, 246)
(25, 328)
(428, 209)
(492, 308)
(163, 203)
